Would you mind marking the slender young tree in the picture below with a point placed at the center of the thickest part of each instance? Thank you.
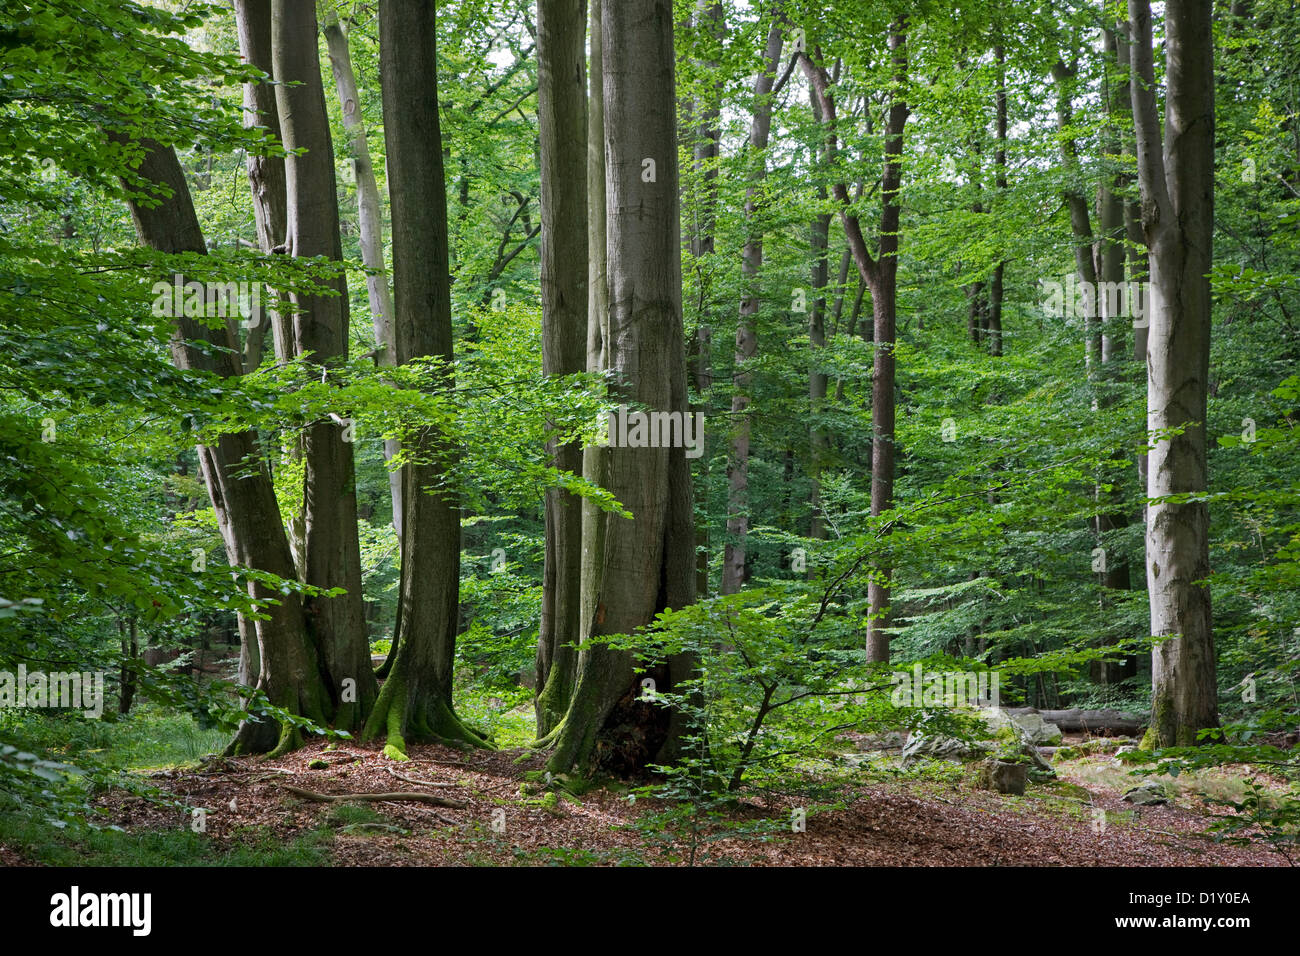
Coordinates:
(735, 553)
(369, 216)
(706, 110)
(1176, 176)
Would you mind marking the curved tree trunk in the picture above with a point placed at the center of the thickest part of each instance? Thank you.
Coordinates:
(238, 483)
(879, 276)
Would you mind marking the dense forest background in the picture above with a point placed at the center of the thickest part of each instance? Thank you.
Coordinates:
(367, 499)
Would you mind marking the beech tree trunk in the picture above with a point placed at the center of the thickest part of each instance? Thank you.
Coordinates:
(416, 700)
(1000, 185)
(332, 550)
(562, 122)
(647, 563)
(1177, 182)
(266, 181)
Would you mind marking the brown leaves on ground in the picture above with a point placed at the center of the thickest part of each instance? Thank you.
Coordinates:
(893, 823)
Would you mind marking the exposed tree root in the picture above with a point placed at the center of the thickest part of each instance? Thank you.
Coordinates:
(398, 797)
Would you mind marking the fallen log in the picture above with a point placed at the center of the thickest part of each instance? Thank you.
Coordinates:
(1102, 723)
(404, 796)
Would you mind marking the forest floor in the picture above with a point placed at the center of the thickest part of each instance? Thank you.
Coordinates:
(864, 816)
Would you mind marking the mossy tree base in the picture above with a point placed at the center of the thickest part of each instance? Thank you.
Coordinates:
(404, 713)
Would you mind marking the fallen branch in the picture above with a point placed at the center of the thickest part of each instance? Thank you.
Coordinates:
(396, 797)
(416, 780)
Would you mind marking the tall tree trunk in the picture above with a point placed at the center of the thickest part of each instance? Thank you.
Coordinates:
(884, 304)
(333, 553)
(1136, 255)
(562, 123)
(977, 312)
(1077, 203)
(416, 700)
(647, 564)
(735, 553)
(1177, 183)
(238, 483)
(369, 219)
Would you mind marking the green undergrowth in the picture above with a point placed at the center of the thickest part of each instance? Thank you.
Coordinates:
(146, 739)
(37, 841)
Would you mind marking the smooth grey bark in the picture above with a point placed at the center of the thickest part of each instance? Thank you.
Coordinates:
(370, 221)
(238, 483)
(416, 700)
(735, 553)
(562, 123)
(1135, 250)
(320, 327)
(647, 562)
(1176, 176)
